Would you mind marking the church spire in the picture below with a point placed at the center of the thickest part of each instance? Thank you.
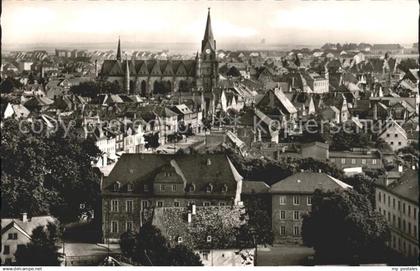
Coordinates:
(208, 40)
(127, 76)
(119, 49)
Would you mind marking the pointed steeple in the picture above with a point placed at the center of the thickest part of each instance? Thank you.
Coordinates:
(208, 39)
(127, 76)
(119, 49)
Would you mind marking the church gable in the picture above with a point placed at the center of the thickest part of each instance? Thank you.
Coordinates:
(116, 69)
(168, 69)
(156, 69)
(142, 68)
(181, 71)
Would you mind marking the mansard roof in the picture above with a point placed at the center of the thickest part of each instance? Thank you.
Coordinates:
(151, 67)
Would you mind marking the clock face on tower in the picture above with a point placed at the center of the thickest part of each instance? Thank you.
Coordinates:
(208, 51)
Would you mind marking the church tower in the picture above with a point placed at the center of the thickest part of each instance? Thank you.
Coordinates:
(208, 66)
(119, 50)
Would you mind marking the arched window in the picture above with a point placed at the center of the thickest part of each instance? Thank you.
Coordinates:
(191, 188)
(209, 188)
(224, 188)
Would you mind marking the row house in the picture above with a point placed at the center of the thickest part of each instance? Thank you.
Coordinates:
(397, 200)
(140, 183)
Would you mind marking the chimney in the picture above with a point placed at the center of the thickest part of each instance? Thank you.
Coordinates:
(193, 209)
(189, 218)
(24, 217)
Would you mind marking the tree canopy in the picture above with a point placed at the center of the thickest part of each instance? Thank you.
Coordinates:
(47, 174)
(150, 248)
(42, 249)
(343, 226)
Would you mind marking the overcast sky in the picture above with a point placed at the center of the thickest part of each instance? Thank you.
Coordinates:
(284, 22)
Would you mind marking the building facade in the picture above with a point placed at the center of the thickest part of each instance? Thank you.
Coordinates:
(140, 183)
(292, 198)
(398, 202)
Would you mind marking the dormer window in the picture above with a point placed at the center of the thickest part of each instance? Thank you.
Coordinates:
(191, 188)
(224, 188)
(209, 188)
(208, 239)
(145, 188)
(116, 187)
(179, 240)
(162, 187)
(129, 187)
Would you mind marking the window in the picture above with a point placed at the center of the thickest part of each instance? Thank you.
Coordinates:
(415, 213)
(209, 188)
(393, 220)
(399, 223)
(404, 226)
(206, 203)
(114, 205)
(6, 250)
(176, 203)
(388, 135)
(379, 196)
(12, 236)
(296, 230)
(309, 200)
(222, 204)
(144, 204)
(393, 203)
(224, 188)
(160, 204)
(409, 210)
(364, 161)
(343, 161)
(129, 225)
(396, 135)
(145, 188)
(399, 205)
(282, 230)
(191, 188)
(114, 226)
(399, 143)
(179, 240)
(415, 231)
(174, 187)
(353, 161)
(282, 215)
(282, 200)
(208, 239)
(409, 228)
(389, 216)
(296, 215)
(373, 161)
(162, 187)
(403, 210)
(8, 261)
(392, 142)
(389, 201)
(332, 160)
(129, 188)
(129, 206)
(116, 187)
(296, 200)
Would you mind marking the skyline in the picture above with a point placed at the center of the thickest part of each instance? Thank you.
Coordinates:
(278, 22)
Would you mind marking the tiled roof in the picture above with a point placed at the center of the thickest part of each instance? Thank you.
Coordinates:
(257, 187)
(407, 186)
(307, 182)
(199, 170)
(149, 67)
(28, 226)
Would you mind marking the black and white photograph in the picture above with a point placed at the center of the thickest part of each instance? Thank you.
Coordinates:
(232, 133)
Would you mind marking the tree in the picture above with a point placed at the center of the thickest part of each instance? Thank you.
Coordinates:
(233, 71)
(258, 224)
(47, 174)
(9, 84)
(181, 255)
(364, 185)
(152, 140)
(149, 247)
(343, 226)
(345, 140)
(42, 249)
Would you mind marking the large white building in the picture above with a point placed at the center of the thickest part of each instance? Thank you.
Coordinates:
(398, 202)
